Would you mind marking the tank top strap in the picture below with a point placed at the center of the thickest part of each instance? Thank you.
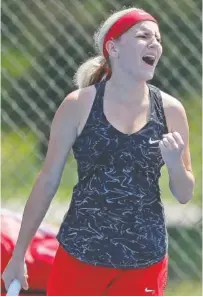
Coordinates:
(98, 102)
(157, 109)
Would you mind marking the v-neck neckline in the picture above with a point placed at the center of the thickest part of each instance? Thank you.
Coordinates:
(113, 127)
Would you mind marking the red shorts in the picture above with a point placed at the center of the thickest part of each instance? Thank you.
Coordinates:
(71, 277)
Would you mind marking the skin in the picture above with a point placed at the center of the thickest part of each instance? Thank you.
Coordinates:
(126, 107)
(128, 80)
(126, 53)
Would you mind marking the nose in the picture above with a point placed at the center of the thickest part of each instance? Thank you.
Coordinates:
(153, 42)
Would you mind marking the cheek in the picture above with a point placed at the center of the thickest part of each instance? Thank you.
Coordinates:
(160, 51)
(135, 49)
(128, 53)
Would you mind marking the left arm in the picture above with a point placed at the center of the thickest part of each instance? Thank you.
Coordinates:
(175, 150)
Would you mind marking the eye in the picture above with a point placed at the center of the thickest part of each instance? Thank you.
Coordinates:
(142, 36)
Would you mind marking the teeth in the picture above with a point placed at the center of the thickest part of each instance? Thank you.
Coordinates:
(151, 57)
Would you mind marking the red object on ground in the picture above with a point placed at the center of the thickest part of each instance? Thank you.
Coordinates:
(39, 256)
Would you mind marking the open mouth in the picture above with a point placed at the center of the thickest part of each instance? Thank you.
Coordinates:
(149, 59)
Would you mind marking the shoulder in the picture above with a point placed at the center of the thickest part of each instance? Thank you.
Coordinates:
(76, 97)
(174, 111)
(75, 106)
(171, 103)
(75, 100)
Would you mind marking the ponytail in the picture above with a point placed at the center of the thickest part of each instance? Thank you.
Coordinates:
(95, 69)
(91, 72)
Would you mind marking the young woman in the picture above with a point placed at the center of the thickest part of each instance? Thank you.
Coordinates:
(113, 239)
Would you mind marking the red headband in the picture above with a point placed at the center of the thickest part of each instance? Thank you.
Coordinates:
(125, 23)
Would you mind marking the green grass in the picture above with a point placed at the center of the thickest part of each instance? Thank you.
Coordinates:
(184, 288)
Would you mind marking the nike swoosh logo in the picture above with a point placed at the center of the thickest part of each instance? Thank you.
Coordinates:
(147, 290)
(153, 141)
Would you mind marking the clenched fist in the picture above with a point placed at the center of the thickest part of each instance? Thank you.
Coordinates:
(171, 146)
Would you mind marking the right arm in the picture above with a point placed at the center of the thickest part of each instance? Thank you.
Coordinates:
(63, 133)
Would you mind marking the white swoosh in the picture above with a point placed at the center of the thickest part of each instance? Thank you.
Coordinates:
(147, 290)
(153, 141)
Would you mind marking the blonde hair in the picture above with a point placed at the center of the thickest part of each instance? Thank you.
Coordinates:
(94, 69)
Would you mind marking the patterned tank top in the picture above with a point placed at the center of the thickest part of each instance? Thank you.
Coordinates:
(116, 217)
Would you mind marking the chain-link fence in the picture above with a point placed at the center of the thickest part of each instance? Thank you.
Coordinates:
(43, 42)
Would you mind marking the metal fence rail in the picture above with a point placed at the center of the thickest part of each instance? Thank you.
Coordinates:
(43, 43)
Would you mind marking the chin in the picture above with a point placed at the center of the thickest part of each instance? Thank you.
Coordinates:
(147, 76)
(144, 74)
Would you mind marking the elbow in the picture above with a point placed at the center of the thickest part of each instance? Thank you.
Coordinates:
(185, 197)
(183, 193)
(184, 200)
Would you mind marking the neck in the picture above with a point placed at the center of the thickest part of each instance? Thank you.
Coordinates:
(127, 89)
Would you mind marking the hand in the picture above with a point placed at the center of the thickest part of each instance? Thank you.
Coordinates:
(15, 269)
(171, 147)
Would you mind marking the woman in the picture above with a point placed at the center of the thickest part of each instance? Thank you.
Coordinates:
(113, 240)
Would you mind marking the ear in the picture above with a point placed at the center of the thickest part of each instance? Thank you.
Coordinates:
(112, 48)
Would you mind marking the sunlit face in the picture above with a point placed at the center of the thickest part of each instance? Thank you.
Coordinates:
(138, 51)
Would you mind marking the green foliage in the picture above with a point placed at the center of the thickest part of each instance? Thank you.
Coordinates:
(176, 73)
(15, 63)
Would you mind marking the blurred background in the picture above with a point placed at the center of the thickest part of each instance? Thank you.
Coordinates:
(43, 43)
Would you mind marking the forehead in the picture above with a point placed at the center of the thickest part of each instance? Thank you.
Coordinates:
(145, 26)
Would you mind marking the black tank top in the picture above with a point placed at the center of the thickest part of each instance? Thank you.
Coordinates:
(116, 217)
